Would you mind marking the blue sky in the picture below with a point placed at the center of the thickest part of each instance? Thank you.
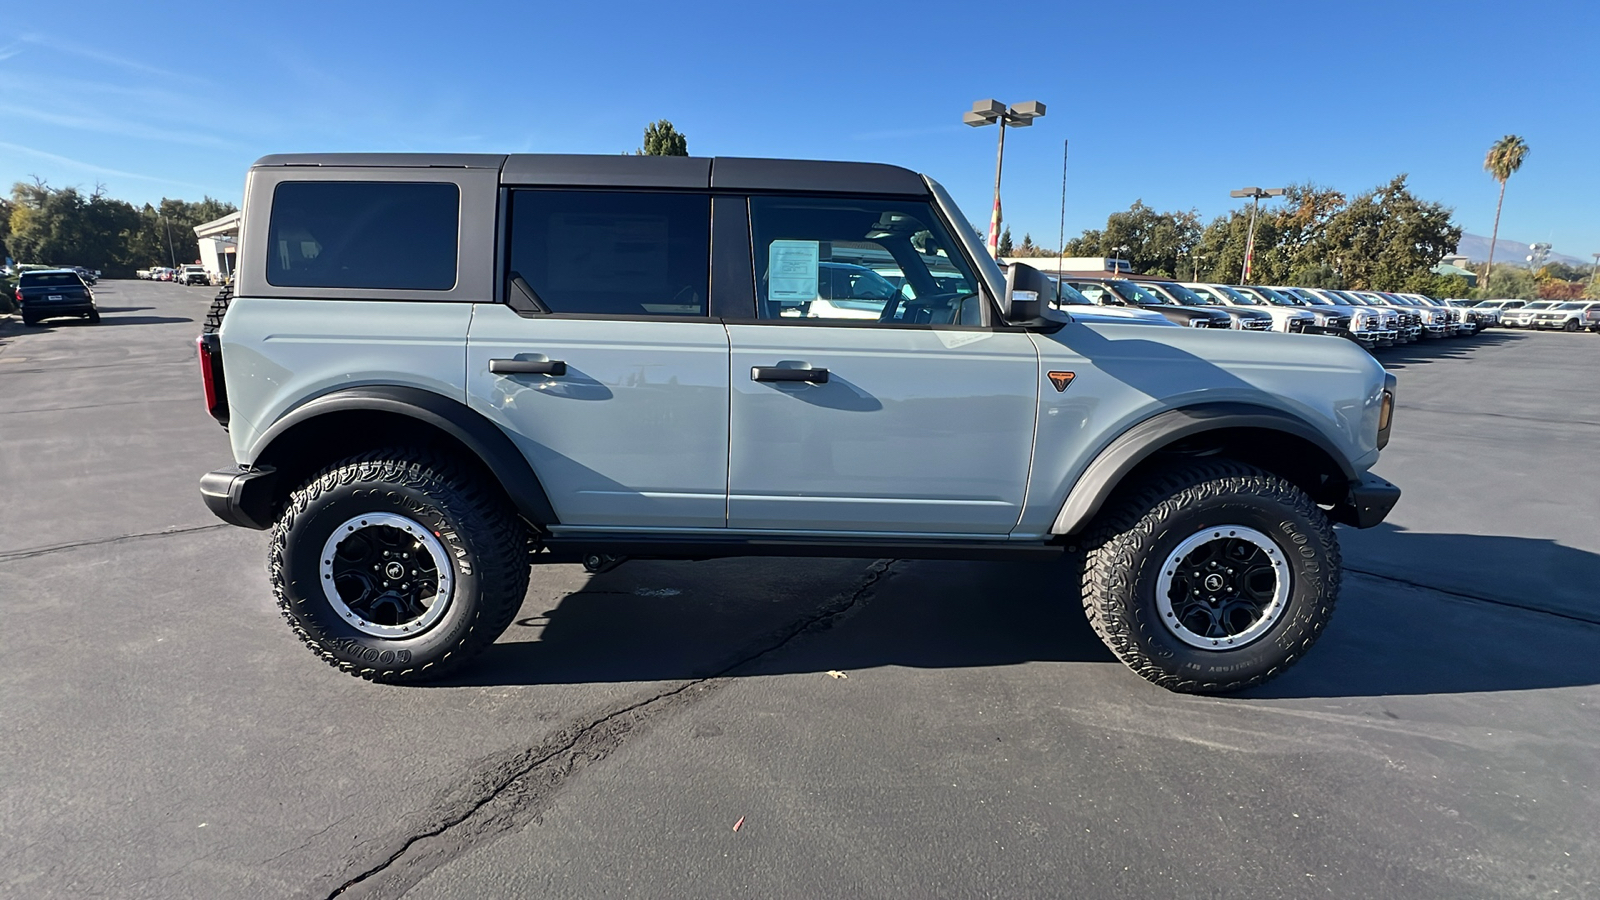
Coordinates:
(1172, 102)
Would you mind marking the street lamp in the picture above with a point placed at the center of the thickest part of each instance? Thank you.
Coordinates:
(1255, 194)
(989, 112)
(1196, 258)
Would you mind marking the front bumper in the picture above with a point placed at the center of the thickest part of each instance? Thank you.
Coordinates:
(241, 496)
(1368, 502)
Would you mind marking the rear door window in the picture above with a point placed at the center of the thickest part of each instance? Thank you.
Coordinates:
(612, 253)
(364, 234)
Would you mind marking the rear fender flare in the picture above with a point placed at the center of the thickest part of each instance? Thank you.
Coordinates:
(471, 429)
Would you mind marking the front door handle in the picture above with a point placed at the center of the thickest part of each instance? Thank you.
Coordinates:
(527, 367)
(780, 373)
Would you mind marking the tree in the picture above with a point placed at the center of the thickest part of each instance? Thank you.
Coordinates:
(63, 226)
(1384, 237)
(1159, 243)
(1005, 248)
(1503, 160)
(1513, 282)
(661, 139)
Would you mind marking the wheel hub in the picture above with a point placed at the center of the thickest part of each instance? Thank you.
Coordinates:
(1223, 588)
(386, 575)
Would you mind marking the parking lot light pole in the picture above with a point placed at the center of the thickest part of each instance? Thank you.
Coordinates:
(991, 112)
(1255, 194)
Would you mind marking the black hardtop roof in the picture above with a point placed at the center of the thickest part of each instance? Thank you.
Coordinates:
(59, 270)
(703, 172)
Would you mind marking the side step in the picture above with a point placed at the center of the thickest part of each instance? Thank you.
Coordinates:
(575, 547)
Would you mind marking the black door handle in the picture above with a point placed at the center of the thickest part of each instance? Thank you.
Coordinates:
(527, 367)
(778, 373)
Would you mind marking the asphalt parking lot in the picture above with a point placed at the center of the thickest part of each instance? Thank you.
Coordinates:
(165, 736)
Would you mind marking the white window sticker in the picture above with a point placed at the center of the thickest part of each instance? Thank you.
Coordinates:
(792, 271)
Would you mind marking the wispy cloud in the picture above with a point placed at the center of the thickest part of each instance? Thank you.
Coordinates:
(90, 167)
(57, 45)
(10, 50)
(119, 127)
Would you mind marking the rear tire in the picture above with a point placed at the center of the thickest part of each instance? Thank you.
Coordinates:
(29, 321)
(1165, 544)
(94, 317)
(448, 565)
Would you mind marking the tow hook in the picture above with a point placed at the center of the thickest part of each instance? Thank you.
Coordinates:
(596, 563)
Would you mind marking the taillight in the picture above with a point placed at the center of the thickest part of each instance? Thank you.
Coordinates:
(210, 349)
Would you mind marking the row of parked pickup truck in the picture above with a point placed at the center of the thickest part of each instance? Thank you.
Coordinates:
(1370, 318)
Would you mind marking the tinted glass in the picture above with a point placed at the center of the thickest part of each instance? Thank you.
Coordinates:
(364, 234)
(49, 279)
(613, 253)
(885, 261)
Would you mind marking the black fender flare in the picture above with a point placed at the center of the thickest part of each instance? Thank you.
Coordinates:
(472, 429)
(1140, 441)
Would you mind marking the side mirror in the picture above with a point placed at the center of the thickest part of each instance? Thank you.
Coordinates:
(1029, 298)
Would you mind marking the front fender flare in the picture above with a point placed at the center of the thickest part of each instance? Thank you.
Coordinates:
(1135, 445)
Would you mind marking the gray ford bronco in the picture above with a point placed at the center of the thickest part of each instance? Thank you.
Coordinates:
(440, 371)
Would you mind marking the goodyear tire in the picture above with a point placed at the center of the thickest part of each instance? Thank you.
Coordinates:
(1212, 577)
(397, 566)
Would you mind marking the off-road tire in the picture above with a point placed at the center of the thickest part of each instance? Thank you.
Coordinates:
(1128, 543)
(485, 541)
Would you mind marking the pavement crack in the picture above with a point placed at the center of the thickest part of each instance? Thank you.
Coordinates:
(523, 784)
(30, 552)
(1478, 598)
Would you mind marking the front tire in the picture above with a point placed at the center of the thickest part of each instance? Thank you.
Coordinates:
(397, 566)
(1571, 325)
(1212, 577)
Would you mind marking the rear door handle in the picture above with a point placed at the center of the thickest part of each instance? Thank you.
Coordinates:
(527, 367)
(779, 373)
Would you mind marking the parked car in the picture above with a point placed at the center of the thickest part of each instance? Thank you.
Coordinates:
(1412, 318)
(193, 275)
(1498, 309)
(1522, 316)
(1241, 318)
(1571, 316)
(1082, 309)
(1122, 292)
(1591, 319)
(528, 393)
(1366, 326)
(1284, 319)
(1325, 320)
(89, 276)
(52, 293)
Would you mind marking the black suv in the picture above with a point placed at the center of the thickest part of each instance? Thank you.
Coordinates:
(46, 293)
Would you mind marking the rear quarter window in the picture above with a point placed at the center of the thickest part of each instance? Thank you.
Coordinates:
(364, 234)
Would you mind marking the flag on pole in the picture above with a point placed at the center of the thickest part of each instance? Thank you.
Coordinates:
(994, 229)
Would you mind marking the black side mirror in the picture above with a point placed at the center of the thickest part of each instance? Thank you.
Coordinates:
(1029, 297)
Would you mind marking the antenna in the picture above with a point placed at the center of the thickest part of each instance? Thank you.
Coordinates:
(1061, 236)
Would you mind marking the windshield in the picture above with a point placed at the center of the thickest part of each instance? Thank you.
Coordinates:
(1572, 306)
(988, 269)
(1068, 294)
(1315, 298)
(1540, 305)
(1132, 293)
(49, 279)
(1184, 296)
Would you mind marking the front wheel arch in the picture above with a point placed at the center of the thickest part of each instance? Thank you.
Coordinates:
(1267, 438)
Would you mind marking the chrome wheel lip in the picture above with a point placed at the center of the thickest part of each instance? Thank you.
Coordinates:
(1269, 616)
(430, 543)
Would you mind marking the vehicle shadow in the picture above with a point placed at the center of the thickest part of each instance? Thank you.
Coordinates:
(111, 320)
(1428, 350)
(1387, 637)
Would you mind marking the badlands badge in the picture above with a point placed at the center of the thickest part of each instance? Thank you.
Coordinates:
(1060, 380)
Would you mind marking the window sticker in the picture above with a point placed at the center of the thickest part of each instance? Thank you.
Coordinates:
(792, 271)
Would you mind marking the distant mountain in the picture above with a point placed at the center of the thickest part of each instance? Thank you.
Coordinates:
(1476, 248)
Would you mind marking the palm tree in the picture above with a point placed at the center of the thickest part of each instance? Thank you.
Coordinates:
(1504, 159)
